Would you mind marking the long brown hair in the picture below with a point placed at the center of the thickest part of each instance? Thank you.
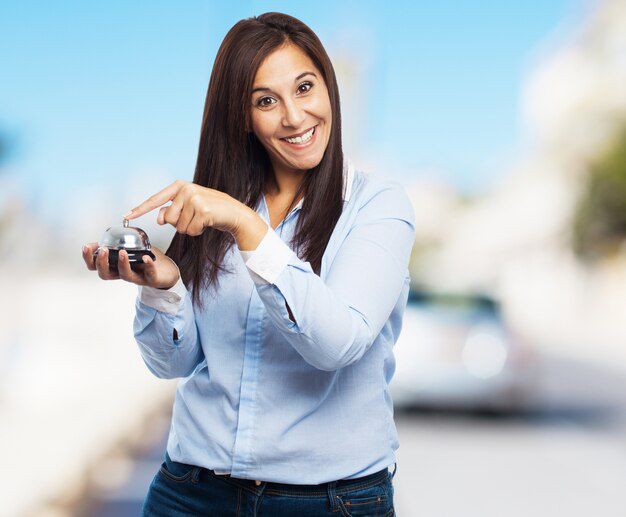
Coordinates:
(232, 160)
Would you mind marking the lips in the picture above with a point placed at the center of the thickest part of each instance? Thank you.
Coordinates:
(299, 134)
(301, 143)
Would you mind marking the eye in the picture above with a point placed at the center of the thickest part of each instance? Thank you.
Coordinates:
(308, 85)
(264, 102)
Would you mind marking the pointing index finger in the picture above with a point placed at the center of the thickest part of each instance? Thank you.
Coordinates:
(155, 201)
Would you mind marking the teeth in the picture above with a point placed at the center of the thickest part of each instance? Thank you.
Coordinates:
(301, 139)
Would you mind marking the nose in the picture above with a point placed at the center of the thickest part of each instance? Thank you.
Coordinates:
(293, 115)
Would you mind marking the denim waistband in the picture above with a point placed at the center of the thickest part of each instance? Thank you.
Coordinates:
(340, 486)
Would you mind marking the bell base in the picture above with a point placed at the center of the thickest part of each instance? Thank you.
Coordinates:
(135, 258)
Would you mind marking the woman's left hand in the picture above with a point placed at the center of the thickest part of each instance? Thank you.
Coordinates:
(194, 208)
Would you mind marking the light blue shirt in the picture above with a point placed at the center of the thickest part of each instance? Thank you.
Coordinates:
(265, 398)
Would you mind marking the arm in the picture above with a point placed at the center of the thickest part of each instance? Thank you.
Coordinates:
(165, 330)
(246, 255)
(335, 322)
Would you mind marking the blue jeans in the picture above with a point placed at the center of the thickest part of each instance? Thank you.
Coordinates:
(179, 489)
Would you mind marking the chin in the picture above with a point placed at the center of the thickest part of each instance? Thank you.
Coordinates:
(303, 163)
(308, 163)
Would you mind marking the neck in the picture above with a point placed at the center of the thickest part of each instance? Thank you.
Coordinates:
(285, 182)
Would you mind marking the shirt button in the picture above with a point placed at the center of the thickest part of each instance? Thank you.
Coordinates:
(257, 483)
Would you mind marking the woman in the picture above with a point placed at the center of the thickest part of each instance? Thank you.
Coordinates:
(279, 299)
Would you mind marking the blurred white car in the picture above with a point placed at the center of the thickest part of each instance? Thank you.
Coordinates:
(455, 352)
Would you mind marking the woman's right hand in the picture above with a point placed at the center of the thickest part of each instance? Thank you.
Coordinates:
(161, 273)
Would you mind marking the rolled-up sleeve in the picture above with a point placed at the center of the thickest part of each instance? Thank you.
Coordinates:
(338, 319)
(165, 331)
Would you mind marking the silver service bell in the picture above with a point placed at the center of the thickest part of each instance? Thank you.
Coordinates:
(134, 240)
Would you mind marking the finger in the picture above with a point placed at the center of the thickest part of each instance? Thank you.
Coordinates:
(185, 218)
(102, 264)
(149, 269)
(126, 272)
(196, 226)
(156, 200)
(161, 217)
(88, 250)
(172, 212)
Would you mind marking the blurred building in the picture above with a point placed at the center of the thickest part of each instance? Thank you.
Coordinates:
(516, 242)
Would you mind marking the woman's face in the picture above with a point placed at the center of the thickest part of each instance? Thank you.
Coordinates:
(291, 113)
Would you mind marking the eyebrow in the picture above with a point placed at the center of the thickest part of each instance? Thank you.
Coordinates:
(266, 89)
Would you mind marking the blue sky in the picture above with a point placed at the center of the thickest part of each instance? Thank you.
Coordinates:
(93, 93)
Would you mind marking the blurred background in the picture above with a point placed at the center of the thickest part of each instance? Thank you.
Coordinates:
(505, 121)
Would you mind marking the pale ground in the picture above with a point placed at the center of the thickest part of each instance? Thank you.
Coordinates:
(567, 458)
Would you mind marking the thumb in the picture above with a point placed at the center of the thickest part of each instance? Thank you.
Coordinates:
(149, 269)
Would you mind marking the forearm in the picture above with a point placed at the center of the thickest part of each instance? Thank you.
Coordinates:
(158, 314)
(333, 321)
(326, 331)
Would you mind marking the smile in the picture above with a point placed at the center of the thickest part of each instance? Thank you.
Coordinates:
(302, 139)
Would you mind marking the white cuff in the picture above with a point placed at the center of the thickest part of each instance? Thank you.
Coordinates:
(269, 258)
(245, 255)
(164, 300)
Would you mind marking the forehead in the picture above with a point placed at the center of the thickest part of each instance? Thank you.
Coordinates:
(283, 65)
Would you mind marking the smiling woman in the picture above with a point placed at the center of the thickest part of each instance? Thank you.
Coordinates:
(272, 80)
(279, 299)
(286, 104)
